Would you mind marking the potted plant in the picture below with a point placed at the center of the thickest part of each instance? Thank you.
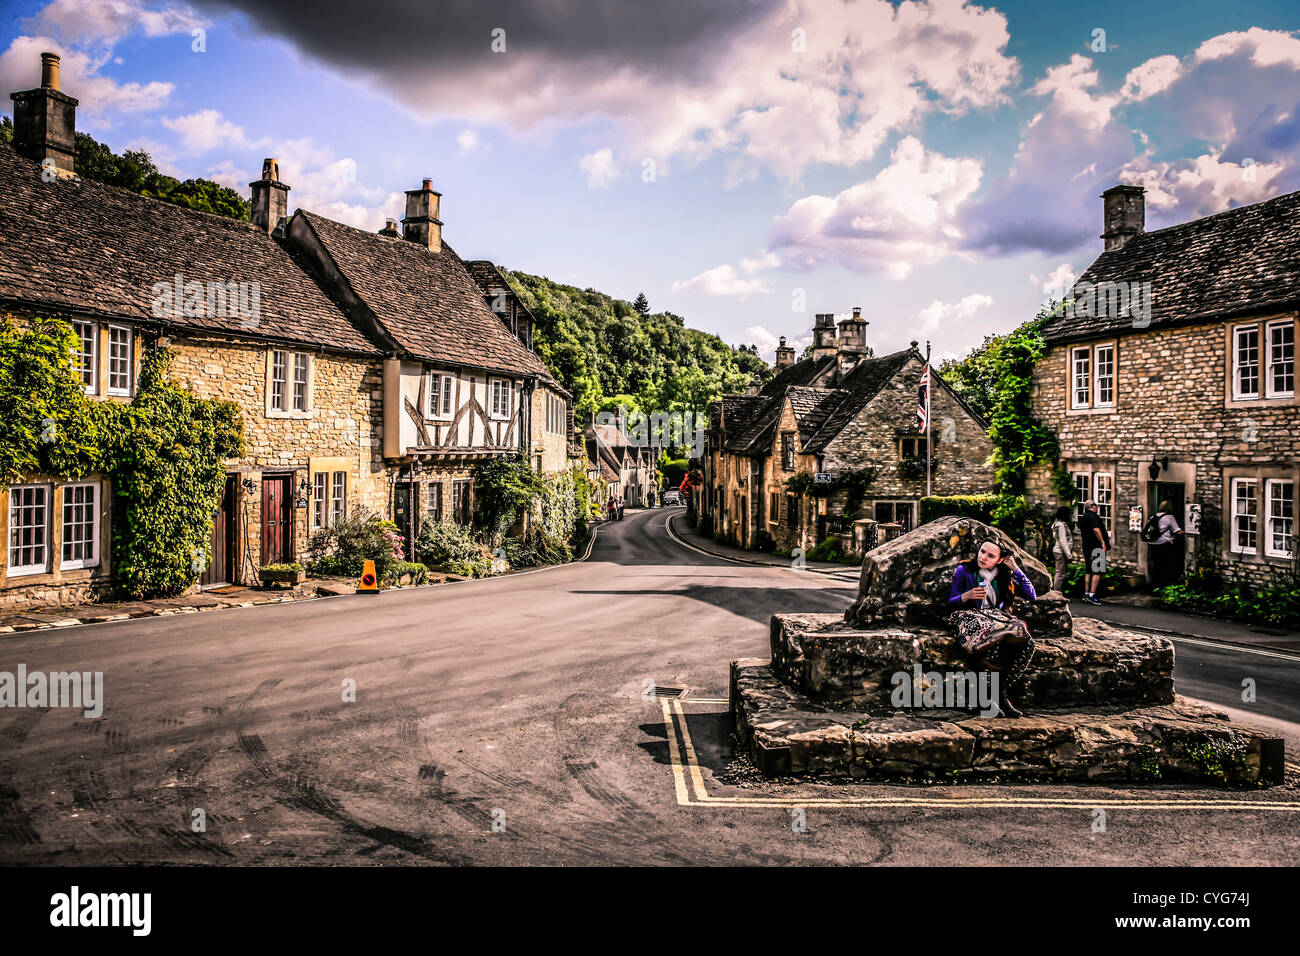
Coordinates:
(289, 574)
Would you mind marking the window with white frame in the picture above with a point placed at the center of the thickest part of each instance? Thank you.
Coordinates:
(498, 398)
(1280, 376)
(1279, 517)
(119, 360)
(1245, 362)
(787, 451)
(85, 357)
(279, 381)
(1081, 377)
(290, 378)
(80, 526)
(440, 389)
(1245, 516)
(1103, 490)
(1092, 376)
(433, 500)
(338, 496)
(319, 501)
(29, 529)
(299, 381)
(1103, 392)
(1082, 491)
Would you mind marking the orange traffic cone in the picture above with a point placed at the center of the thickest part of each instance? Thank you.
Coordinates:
(369, 583)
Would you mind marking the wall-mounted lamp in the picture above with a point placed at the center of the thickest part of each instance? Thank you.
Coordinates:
(304, 488)
(249, 487)
(1153, 469)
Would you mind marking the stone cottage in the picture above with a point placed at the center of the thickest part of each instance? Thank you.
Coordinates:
(824, 420)
(1170, 374)
(369, 369)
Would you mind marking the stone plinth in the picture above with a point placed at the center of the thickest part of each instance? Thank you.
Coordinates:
(842, 666)
(788, 734)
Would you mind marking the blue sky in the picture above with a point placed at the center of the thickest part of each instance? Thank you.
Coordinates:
(936, 163)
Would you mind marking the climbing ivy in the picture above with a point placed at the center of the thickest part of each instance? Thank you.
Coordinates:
(164, 452)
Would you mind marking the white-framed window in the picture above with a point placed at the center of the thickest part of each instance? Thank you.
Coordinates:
(80, 526)
(1245, 362)
(299, 381)
(1245, 516)
(290, 381)
(1279, 517)
(1080, 377)
(1103, 391)
(1082, 491)
(85, 357)
(279, 381)
(119, 360)
(338, 496)
(1280, 376)
(440, 392)
(787, 451)
(1103, 490)
(29, 529)
(319, 503)
(498, 398)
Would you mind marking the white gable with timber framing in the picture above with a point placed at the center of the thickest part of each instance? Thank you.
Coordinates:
(452, 412)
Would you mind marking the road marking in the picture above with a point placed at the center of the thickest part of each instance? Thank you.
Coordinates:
(688, 782)
(1224, 646)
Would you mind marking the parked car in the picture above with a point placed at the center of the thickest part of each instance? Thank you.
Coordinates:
(672, 497)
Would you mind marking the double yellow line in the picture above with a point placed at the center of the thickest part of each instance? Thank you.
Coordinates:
(688, 782)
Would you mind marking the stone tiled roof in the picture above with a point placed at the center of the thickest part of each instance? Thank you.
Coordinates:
(84, 247)
(487, 276)
(746, 418)
(800, 373)
(811, 407)
(425, 300)
(1238, 261)
(856, 389)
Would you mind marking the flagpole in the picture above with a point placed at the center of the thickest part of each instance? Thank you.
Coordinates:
(929, 387)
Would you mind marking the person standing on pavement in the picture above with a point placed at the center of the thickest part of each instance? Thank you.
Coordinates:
(1167, 549)
(1062, 546)
(1096, 542)
(650, 498)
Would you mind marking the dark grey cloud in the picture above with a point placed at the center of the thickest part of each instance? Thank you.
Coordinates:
(399, 38)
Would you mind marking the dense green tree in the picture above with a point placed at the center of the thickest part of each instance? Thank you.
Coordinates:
(642, 304)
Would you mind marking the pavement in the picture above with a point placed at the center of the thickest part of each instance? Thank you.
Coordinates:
(569, 715)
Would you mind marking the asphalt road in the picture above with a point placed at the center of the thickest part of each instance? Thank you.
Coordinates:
(502, 722)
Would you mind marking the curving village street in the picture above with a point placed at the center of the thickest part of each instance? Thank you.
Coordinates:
(503, 721)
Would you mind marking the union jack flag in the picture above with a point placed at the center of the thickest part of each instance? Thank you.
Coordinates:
(923, 399)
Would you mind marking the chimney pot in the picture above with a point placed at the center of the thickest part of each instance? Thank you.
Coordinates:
(50, 71)
(824, 335)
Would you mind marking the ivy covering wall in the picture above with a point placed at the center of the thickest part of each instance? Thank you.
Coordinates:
(164, 451)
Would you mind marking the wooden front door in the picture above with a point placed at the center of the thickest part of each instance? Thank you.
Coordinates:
(277, 520)
(219, 570)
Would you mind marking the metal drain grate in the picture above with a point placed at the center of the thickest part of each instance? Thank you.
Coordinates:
(670, 691)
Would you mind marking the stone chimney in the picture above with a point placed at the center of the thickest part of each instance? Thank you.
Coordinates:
(422, 224)
(824, 335)
(45, 120)
(755, 385)
(270, 197)
(390, 229)
(853, 340)
(784, 354)
(1124, 215)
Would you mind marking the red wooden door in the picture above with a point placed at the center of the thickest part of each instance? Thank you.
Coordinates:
(277, 521)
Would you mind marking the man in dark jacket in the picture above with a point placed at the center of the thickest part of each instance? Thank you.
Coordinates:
(1096, 542)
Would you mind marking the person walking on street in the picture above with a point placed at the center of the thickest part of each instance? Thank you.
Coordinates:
(650, 497)
(1096, 542)
(1062, 546)
(1167, 549)
(620, 507)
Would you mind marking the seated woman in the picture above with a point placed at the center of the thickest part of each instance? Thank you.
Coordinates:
(983, 591)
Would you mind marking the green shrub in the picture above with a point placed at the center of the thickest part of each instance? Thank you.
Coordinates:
(505, 489)
(1112, 580)
(452, 548)
(829, 549)
(418, 572)
(979, 507)
(356, 538)
(1278, 604)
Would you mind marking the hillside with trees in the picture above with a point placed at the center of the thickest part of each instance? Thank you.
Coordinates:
(609, 351)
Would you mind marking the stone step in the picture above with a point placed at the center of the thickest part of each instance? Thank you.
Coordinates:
(785, 733)
(843, 666)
